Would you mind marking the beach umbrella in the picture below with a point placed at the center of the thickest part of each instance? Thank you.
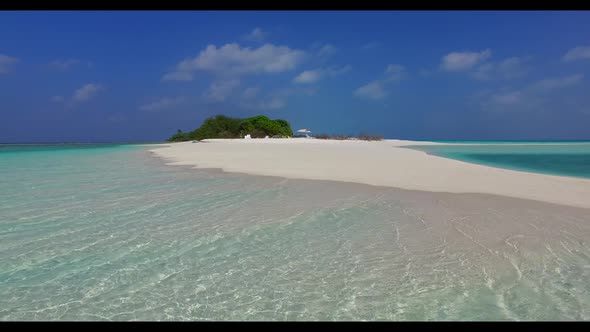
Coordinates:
(304, 131)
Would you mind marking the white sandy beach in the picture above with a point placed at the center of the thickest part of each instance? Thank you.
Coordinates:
(382, 163)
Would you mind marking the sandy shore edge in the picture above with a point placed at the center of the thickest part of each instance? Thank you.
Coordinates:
(383, 163)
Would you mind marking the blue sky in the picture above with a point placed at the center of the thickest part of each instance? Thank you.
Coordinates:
(140, 76)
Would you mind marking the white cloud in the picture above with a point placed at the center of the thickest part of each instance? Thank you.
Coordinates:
(250, 92)
(327, 50)
(234, 60)
(556, 83)
(6, 63)
(530, 97)
(513, 67)
(484, 71)
(308, 76)
(162, 104)
(86, 92)
(63, 64)
(219, 91)
(314, 75)
(257, 35)
(395, 72)
(373, 90)
(577, 53)
(509, 68)
(376, 90)
(461, 61)
(83, 94)
(512, 101)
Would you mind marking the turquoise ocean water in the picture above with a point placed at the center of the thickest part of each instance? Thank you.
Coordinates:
(566, 158)
(108, 232)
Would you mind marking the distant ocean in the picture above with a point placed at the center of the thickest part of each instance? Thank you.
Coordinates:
(566, 158)
(109, 232)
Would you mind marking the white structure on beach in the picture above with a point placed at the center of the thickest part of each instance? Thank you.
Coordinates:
(304, 131)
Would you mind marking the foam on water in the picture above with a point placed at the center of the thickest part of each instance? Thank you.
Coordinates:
(111, 233)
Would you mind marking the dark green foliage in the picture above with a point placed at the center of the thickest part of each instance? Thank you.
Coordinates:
(179, 137)
(226, 134)
(222, 126)
(266, 125)
(217, 127)
(286, 127)
(257, 133)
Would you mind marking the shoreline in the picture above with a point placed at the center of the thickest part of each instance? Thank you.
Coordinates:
(380, 163)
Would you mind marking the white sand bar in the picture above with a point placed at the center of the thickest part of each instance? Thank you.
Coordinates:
(381, 163)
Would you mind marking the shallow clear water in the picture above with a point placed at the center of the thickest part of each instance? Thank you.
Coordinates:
(565, 158)
(111, 233)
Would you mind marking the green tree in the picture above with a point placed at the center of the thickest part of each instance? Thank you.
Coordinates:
(221, 126)
(178, 137)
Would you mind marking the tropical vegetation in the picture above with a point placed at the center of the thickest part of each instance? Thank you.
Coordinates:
(222, 126)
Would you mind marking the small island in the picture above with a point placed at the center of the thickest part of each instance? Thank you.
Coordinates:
(260, 126)
(222, 126)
